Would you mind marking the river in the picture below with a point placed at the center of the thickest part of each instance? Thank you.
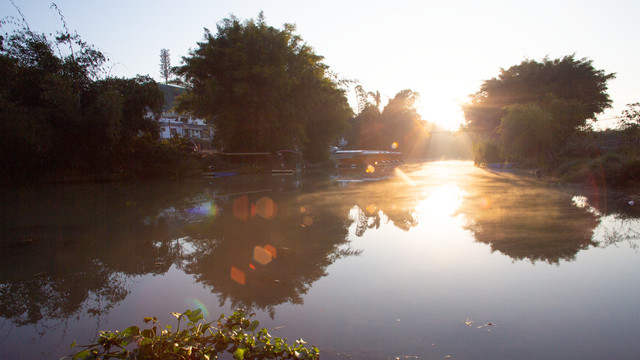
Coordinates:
(437, 260)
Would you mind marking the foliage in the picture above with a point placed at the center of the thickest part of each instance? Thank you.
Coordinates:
(611, 169)
(236, 335)
(367, 130)
(566, 91)
(516, 128)
(61, 118)
(398, 127)
(263, 89)
(404, 125)
(531, 81)
(486, 151)
(630, 119)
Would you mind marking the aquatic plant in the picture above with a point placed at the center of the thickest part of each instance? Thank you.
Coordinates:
(237, 335)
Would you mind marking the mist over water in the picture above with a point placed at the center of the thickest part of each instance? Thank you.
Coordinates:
(436, 259)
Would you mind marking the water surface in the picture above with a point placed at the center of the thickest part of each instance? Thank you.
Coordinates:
(440, 259)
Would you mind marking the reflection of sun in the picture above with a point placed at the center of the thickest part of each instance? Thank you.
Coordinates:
(441, 202)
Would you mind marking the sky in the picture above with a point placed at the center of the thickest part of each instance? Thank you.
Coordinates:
(443, 50)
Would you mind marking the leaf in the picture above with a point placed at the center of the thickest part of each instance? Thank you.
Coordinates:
(177, 315)
(82, 355)
(194, 316)
(73, 344)
(131, 331)
(147, 319)
(254, 325)
(239, 353)
(147, 333)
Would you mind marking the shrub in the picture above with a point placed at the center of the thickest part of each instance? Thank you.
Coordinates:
(236, 335)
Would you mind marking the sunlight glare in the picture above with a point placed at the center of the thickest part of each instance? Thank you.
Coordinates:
(442, 202)
(404, 177)
(443, 107)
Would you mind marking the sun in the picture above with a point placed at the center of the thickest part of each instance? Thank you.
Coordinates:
(444, 113)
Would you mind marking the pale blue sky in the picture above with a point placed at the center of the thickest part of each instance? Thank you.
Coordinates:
(441, 49)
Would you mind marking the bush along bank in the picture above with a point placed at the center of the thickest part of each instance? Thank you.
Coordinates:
(237, 335)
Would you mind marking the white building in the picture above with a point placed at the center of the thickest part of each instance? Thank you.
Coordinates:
(181, 125)
(172, 125)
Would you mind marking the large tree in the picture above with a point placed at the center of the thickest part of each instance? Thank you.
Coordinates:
(570, 90)
(263, 89)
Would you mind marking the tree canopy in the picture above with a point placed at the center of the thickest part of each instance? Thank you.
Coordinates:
(61, 116)
(263, 89)
(397, 127)
(568, 91)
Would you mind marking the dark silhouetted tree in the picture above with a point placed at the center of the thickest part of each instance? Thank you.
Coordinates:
(263, 89)
(572, 91)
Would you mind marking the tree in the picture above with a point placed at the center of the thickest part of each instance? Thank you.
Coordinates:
(165, 65)
(263, 89)
(571, 90)
(398, 127)
(516, 130)
(529, 82)
(630, 119)
(404, 125)
(59, 117)
(369, 131)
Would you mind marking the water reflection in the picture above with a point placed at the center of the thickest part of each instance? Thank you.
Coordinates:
(64, 246)
(264, 248)
(526, 220)
(619, 225)
(259, 242)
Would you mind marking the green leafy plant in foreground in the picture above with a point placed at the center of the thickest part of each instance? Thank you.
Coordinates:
(237, 335)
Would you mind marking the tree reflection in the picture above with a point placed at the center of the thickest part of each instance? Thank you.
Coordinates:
(71, 249)
(525, 220)
(264, 248)
(618, 213)
(255, 242)
(389, 200)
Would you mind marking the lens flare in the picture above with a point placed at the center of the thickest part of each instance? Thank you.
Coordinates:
(307, 221)
(261, 255)
(241, 208)
(485, 202)
(271, 250)
(265, 207)
(370, 169)
(205, 209)
(238, 275)
(197, 304)
(394, 145)
(404, 177)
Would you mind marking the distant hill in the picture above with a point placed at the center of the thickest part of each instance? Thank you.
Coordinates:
(170, 92)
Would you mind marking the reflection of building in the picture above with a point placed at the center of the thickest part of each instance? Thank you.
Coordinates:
(182, 125)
